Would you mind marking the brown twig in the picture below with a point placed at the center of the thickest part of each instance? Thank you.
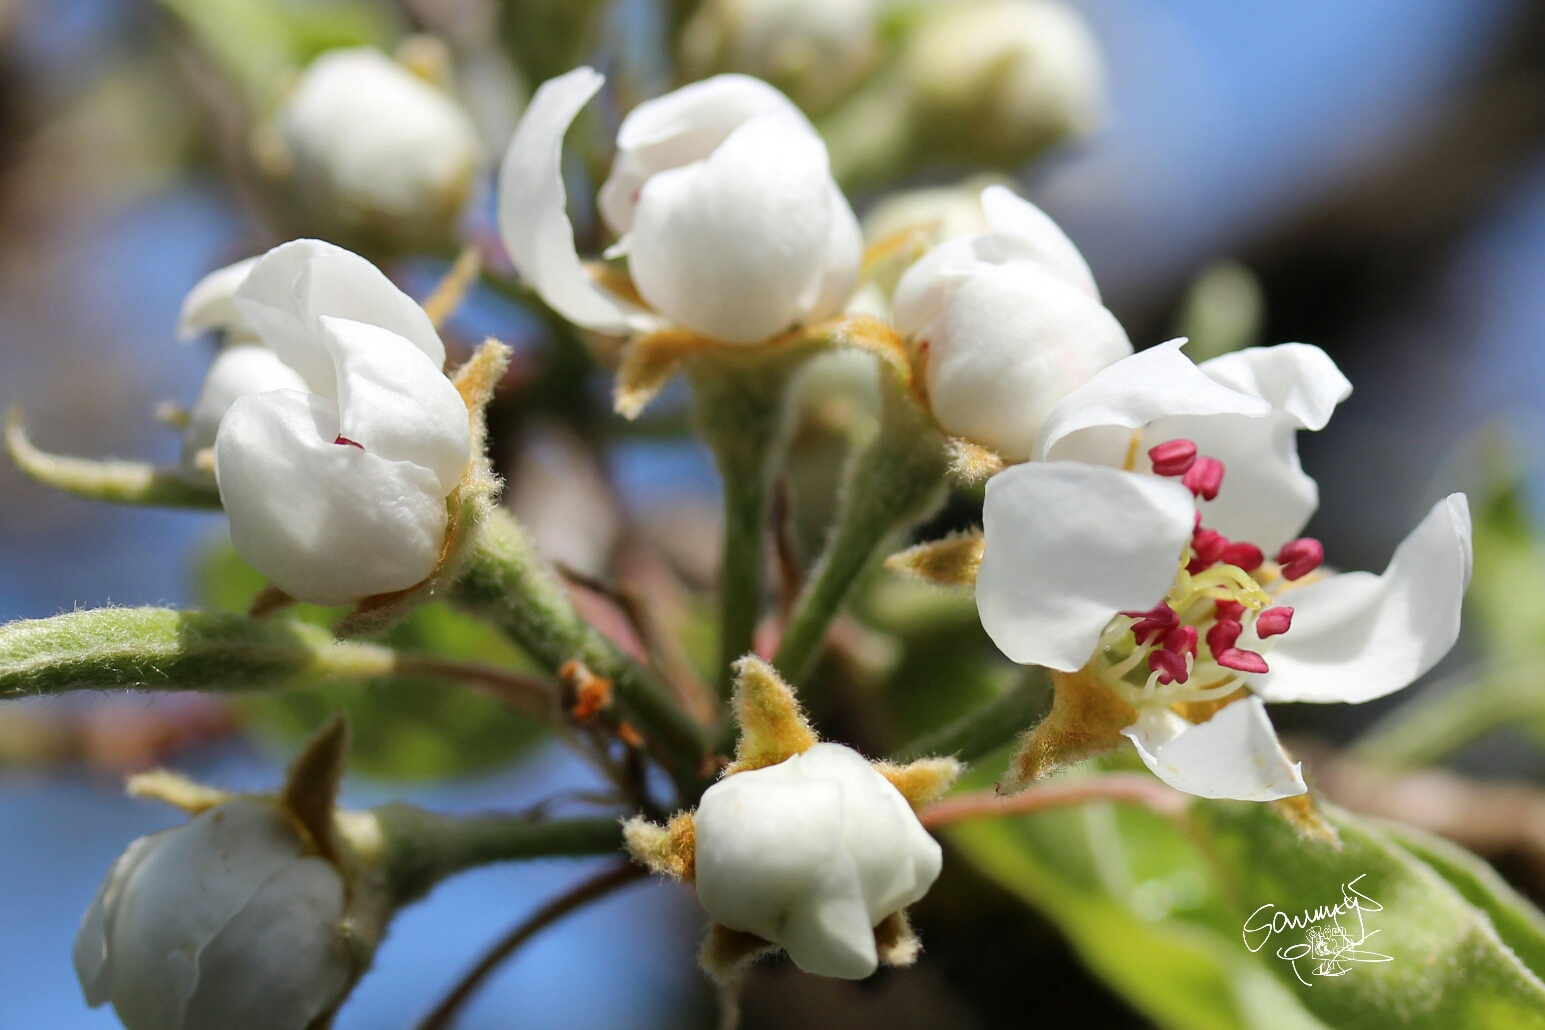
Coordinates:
(611, 879)
(1125, 788)
(533, 695)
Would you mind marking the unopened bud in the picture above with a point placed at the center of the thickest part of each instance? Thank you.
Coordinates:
(999, 80)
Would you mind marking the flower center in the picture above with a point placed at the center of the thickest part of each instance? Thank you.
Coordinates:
(1184, 649)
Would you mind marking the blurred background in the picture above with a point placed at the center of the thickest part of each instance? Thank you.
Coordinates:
(1367, 177)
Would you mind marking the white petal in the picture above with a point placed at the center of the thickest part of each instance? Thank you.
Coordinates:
(1235, 754)
(1067, 546)
(729, 246)
(397, 404)
(377, 138)
(93, 955)
(676, 129)
(325, 522)
(1009, 342)
(1266, 498)
(175, 901)
(1094, 422)
(1298, 379)
(832, 937)
(1036, 238)
(926, 285)
(828, 293)
(239, 369)
(210, 304)
(294, 285)
(533, 215)
(279, 962)
(1358, 636)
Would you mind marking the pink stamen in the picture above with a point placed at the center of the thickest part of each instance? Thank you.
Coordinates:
(1300, 557)
(1170, 665)
(1273, 622)
(1172, 458)
(1204, 478)
(348, 443)
(1155, 622)
(1209, 545)
(1245, 555)
(1240, 660)
(1231, 611)
(1181, 640)
(1222, 636)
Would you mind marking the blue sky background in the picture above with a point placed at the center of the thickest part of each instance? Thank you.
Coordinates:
(1227, 119)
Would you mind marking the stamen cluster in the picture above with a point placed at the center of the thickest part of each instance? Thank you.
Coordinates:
(1219, 591)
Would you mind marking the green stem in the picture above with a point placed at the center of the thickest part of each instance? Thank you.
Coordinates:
(739, 403)
(119, 482)
(991, 726)
(892, 484)
(509, 584)
(422, 847)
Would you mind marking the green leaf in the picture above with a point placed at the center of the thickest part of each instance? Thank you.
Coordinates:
(403, 727)
(162, 649)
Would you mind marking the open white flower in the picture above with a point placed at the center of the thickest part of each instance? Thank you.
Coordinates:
(370, 140)
(337, 490)
(723, 201)
(1004, 324)
(1097, 559)
(227, 922)
(812, 854)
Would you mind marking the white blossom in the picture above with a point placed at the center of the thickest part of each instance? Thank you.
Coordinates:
(723, 201)
(1001, 78)
(1004, 324)
(370, 139)
(224, 923)
(815, 49)
(1124, 549)
(812, 854)
(337, 490)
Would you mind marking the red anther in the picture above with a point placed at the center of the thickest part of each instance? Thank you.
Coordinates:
(1246, 556)
(1240, 660)
(1273, 621)
(1170, 665)
(1232, 611)
(1222, 635)
(1172, 458)
(1204, 478)
(1300, 557)
(1155, 622)
(1181, 640)
(348, 443)
(1208, 545)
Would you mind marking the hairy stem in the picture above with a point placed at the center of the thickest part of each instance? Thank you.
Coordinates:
(509, 584)
(991, 726)
(892, 483)
(739, 402)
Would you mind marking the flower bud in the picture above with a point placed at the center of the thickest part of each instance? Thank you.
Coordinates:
(1004, 324)
(814, 50)
(372, 146)
(999, 80)
(938, 213)
(812, 854)
(228, 922)
(336, 490)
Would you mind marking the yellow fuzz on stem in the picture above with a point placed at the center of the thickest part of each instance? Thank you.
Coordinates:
(669, 850)
(895, 941)
(176, 790)
(922, 781)
(1301, 813)
(452, 289)
(971, 463)
(950, 562)
(1085, 720)
(726, 953)
(648, 363)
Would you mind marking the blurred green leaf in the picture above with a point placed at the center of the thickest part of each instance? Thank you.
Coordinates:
(1158, 911)
(402, 728)
(258, 42)
(1508, 587)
